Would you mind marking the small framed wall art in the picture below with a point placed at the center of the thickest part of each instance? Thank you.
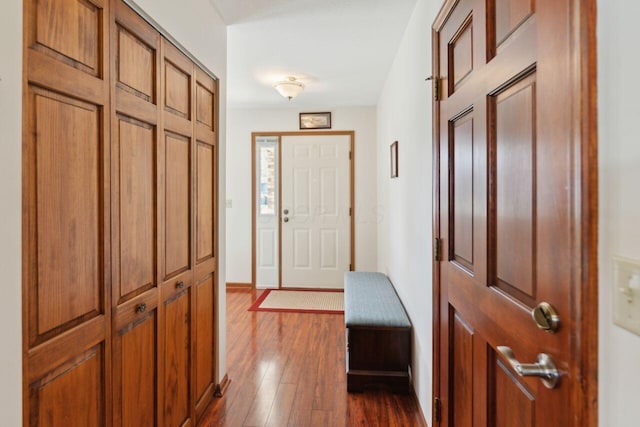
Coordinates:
(315, 120)
(394, 159)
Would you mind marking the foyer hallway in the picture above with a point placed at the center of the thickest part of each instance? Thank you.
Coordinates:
(288, 369)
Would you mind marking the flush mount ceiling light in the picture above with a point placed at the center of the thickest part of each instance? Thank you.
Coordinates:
(289, 88)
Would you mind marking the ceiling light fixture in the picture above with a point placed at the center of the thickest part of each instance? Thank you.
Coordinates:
(289, 88)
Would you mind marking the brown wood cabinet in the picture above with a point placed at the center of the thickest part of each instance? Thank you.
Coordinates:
(119, 221)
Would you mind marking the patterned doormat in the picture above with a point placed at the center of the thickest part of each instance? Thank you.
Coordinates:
(300, 301)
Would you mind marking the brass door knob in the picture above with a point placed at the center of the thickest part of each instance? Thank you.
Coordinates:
(546, 317)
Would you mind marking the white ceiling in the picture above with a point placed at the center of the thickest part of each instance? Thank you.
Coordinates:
(340, 49)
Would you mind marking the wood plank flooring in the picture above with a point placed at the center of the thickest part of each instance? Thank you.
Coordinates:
(288, 369)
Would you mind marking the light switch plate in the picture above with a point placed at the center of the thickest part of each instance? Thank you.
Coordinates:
(626, 293)
(229, 203)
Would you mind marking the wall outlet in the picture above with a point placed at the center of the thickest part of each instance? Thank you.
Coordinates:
(626, 299)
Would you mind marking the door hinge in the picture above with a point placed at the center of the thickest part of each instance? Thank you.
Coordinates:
(436, 89)
(437, 249)
(349, 211)
(435, 84)
(437, 409)
(349, 155)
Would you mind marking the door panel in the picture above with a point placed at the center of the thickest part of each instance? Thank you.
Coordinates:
(205, 198)
(316, 237)
(135, 372)
(509, 15)
(204, 337)
(204, 106)
(177, 90)
(177, 203)
(514, 404)
(203, 320)
(508, 221)
(177, 363)
(69, 31)
(461, 171)
(68, 156)
(137, 186)
(136, 65)
(85, 408)
(462, 373)
(513, 189)
(135, 330)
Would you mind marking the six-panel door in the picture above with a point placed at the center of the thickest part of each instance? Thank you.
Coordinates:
(505, 187)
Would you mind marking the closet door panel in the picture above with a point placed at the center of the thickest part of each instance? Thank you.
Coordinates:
(68, 201)
(178, 71)
(204, 104)
(177, 204)
(135, 65)
(177, 366)
(204, 201)
(135, 217)
(69, 31)
(71, 394)
(205, 338)
(137, 161)
(135, 362)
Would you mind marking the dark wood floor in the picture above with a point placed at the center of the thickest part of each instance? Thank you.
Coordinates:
(288, 369)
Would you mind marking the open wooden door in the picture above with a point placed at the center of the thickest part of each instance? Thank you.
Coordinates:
(515, 213)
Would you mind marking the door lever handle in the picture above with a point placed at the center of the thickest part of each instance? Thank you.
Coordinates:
(543, 368)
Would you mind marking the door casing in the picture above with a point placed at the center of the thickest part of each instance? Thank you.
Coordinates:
(279, 135)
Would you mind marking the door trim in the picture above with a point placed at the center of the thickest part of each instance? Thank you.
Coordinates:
(584, 286)
(279, 135)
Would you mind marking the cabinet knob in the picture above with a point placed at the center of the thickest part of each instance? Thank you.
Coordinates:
(180, 285)
(141, 308)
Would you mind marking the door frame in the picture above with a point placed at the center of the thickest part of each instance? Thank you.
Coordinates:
(584, 286)
(279, 135)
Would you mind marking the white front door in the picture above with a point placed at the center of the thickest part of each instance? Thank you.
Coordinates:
(315, 210)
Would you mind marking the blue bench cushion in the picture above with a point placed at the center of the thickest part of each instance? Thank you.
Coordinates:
(370, 300)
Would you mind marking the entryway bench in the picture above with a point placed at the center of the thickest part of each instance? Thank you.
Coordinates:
(378, 334)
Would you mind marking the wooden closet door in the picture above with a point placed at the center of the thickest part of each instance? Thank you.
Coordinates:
(176, 200)
(66, 320)
(135, 60)
(205, 248)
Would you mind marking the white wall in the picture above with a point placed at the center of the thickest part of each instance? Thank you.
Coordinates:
(240, 125)
(619, 146)
(10, 213)
(404, 232)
